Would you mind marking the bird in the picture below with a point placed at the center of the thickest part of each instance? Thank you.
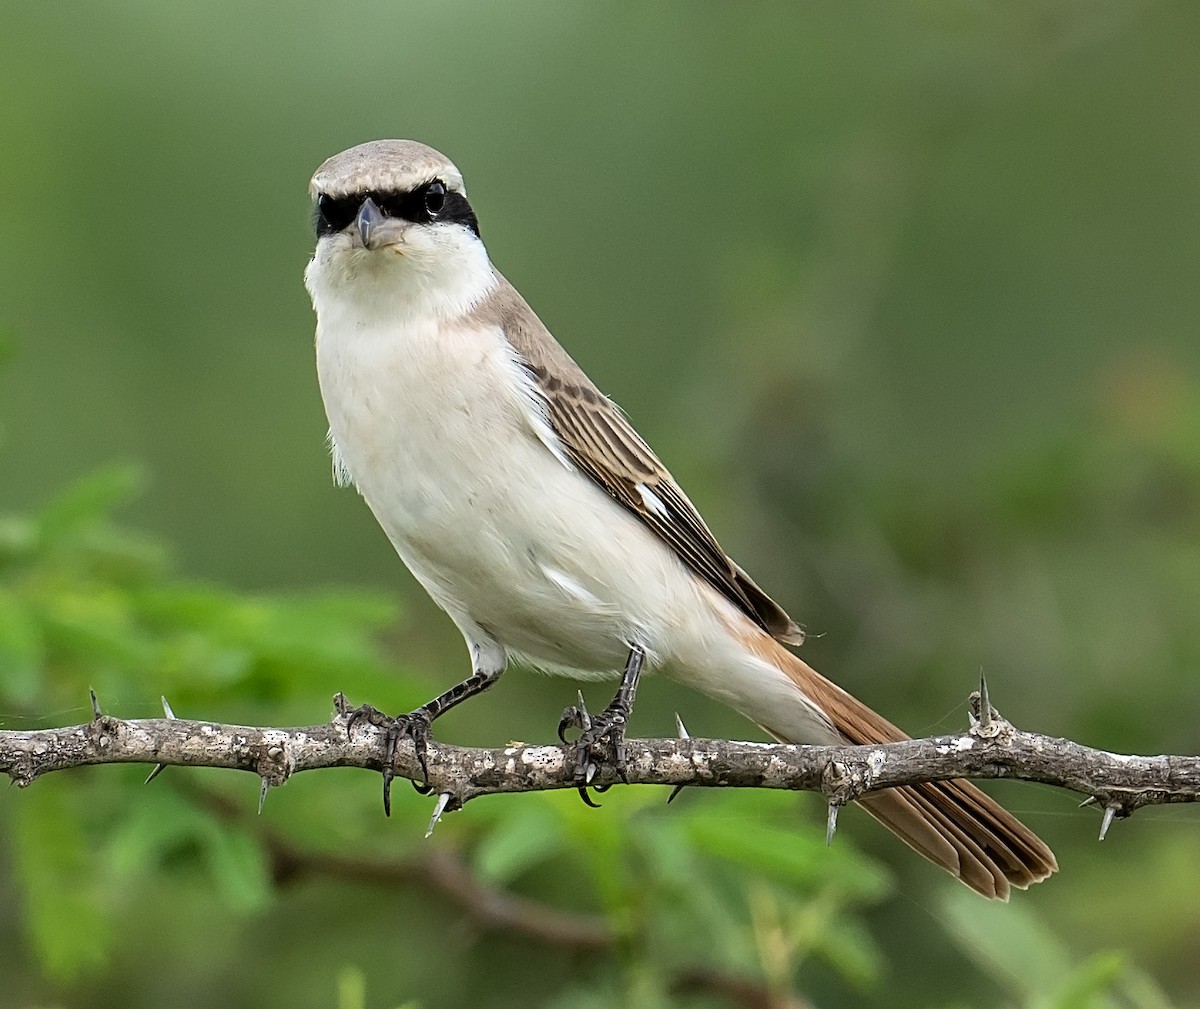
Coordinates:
(524, 502)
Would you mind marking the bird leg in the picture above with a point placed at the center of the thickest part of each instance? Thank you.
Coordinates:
(415, 726)
(607, 726)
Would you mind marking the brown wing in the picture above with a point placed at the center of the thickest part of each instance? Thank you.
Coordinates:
(603, 444)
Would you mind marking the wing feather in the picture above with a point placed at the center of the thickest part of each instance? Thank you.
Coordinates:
(599, 440)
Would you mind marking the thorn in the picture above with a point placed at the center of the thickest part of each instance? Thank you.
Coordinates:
(1090, 800)
(96, 712)
(1109, 813)
(443, 801)
(585, 720)
(985, 703)
(831, 823)
(159, 768)
(262, 795)
(682, 732)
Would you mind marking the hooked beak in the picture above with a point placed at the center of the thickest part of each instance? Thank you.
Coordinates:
(368, 220)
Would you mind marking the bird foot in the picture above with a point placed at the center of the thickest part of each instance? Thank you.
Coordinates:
(601, 741)
(413, 726)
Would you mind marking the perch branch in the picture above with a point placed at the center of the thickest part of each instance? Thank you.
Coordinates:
(991, 748)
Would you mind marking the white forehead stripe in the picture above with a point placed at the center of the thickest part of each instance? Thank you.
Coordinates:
(385, 166)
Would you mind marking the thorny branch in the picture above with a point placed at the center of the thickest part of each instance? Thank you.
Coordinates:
(990, 748)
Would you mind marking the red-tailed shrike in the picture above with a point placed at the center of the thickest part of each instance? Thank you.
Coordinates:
(533, 513)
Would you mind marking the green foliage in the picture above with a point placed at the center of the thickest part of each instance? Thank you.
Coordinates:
(519, 842)
(788, 858)
(85, 602)
(1021, 955)
(64, 913)
(162, 827)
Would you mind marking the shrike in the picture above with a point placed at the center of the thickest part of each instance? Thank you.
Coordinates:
(533, 513)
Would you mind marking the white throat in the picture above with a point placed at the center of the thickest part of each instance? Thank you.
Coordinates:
(440, 276)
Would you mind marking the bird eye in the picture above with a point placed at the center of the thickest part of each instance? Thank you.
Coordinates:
(435, 198)
(334, 214)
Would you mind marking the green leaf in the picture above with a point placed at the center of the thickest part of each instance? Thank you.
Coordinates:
(58, 872)
(686, 895)
(663, 844)
(239, 868)
(1088, 985)
(1007, 942)
(531, 834)
(96, 626)
(849, 947)
(1141, 991)
(791, 856)
(159, 823)
(213, 635)
(159, 827)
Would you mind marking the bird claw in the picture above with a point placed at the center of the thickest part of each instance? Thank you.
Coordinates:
(413, 726)
(601, 740)
(570, 720)
(574, 717)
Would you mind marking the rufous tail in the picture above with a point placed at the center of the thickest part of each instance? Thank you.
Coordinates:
(951, 823)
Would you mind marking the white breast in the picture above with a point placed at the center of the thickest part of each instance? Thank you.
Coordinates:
(439, 427)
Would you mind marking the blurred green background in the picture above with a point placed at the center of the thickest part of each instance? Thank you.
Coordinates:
(923, 278)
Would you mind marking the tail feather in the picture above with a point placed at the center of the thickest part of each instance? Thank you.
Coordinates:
(920, 823)
(951, 823)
